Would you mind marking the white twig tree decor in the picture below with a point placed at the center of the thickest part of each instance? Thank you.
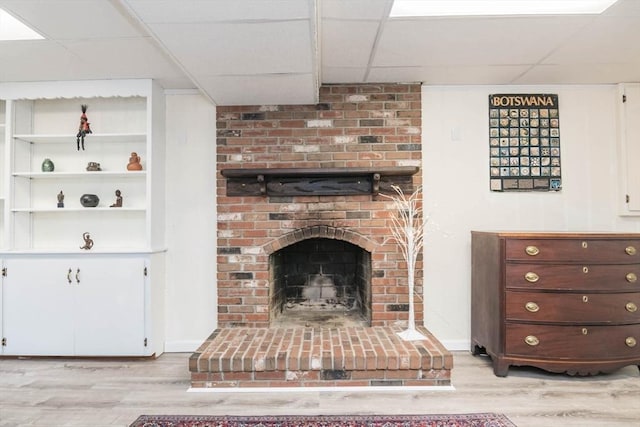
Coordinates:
(408, 231)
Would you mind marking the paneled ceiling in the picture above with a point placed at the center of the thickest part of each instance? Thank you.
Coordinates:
(279, 51)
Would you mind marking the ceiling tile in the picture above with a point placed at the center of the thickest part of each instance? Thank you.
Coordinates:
(192, 11)
(39, 60)
(271, 47)
(262, 90)
(136, 58)
(355, 39)
(454, 75)
(591, 74)
(343, 74)
(615, 40)
(71, 19)
(456, 41)
(355, 9)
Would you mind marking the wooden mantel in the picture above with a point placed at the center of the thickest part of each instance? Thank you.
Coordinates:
(312, 181)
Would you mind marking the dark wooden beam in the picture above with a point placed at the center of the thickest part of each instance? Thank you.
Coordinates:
(314, 181)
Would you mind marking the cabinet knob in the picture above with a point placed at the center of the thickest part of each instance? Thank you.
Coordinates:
(531, 277)
(630, 250)
(532, 306)
(631, 277)
(585, 270)
(585, 331)
(532, 250)
(631, 307)
(532, 340)
(585, 298)
(630, 342)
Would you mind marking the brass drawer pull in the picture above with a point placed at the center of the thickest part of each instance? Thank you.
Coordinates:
(585, 270)
(585, 331)
(631, 277)
(585, 245)
(533, 307)
(630, 342)
(532, 250)
(585, 298)
(630, 250)
(531, 277)
(631, 307)
(533, 340)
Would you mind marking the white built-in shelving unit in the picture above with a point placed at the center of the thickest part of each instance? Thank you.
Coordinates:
(58, 298)
(3, 165)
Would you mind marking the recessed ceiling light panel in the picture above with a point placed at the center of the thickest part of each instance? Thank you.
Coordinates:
(404, 8)
(13, 29)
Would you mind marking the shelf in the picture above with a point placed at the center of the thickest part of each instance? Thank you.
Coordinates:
(320, 172)
(314, 181)
(82, 175)
(43, 125)
(61, 251)
(69, 138)
(79, 209)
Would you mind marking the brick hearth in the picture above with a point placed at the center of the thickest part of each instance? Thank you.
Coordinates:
(318, 357)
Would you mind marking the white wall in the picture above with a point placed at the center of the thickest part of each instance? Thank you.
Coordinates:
(456, 193)
(457, 197)
(191, 299)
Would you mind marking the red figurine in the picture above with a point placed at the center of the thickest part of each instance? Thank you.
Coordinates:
(84, 127)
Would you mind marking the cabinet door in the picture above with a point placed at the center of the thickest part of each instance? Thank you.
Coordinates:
(629, 149)
(37, 299)
(2, 273)
(109, 306)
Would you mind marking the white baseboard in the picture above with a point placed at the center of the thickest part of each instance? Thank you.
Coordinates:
(184, 346)
(456, 345)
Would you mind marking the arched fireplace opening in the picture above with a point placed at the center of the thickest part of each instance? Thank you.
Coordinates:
(320, 282)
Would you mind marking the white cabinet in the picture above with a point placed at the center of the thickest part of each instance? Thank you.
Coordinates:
(58, 297)
(4, 164)
(77, 306)
(629, 148)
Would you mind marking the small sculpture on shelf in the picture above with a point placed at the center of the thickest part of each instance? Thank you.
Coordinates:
(134, 162)
(61, 199)
(88, 241)
(118, 202)
(93, 166)
(89, 200)
(47, 165)
(84, 129)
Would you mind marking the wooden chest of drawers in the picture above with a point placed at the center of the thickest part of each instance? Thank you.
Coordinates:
(563, 302)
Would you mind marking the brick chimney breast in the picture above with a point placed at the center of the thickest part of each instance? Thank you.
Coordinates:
(353, 126)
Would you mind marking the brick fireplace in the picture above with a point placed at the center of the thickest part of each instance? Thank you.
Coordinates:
(304, 243)
(353, 126)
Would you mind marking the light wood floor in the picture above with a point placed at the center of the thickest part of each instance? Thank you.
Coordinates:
(81, 392)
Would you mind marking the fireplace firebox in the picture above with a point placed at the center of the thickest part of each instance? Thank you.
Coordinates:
(320, 282)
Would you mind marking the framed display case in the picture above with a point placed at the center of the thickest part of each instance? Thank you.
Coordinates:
(524, 142)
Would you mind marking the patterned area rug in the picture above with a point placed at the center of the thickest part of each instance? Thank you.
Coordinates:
(457, 420)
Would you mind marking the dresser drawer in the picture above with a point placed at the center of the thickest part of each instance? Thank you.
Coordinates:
(576, 308)
(573, 342)
(607, 277)
(574, 250)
